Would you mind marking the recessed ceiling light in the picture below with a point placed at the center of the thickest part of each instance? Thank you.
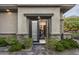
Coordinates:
(7, 10)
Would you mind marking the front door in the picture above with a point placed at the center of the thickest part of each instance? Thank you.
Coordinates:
(35, 30)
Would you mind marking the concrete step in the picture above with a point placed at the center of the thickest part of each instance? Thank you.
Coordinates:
(37, 43)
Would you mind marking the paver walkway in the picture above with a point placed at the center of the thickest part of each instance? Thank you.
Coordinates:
(36, 50)
(39, 50)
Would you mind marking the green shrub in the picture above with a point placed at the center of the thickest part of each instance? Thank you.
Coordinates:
(73, 44)
(66, 44)
(14, 44)
(28, 43)
(16, 47)
(3, 42)
(51, 43)
(11, 40)
(62, 44)
(59, 47)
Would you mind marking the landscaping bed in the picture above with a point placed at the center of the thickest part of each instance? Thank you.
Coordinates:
(14, 45)
(62, 45)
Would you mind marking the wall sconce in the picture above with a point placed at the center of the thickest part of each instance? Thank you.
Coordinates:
(7, 10)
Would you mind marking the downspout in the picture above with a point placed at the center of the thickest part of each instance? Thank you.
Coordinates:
(61, 26)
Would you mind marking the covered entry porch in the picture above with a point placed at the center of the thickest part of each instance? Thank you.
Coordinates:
(39, 26)
(39, 23)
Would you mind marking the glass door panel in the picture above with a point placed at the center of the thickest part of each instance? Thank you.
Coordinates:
(34, 30)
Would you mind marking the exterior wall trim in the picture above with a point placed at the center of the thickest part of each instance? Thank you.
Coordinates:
(39, 14)
(59, 34)
(7, 33)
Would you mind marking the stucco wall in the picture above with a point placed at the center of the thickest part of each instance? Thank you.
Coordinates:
(56, 22)
(8, 23)
(23, 22)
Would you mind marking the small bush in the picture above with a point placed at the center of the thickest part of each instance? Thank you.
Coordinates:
(62, 44)
(11, 40)
(28, 43)
(3, 42)
(59, 47)
(14, 44)
(70, 42)
(66, 44)
(16, 47)
(51, 43)
(73, 44)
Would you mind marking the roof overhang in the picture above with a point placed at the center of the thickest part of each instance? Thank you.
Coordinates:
(64, 7)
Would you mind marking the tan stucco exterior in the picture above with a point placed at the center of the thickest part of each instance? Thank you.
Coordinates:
(8, 23)
(15, 21)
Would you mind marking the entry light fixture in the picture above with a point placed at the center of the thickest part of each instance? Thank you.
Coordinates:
(7, 10)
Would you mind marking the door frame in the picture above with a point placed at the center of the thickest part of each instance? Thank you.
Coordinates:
(38, 15)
